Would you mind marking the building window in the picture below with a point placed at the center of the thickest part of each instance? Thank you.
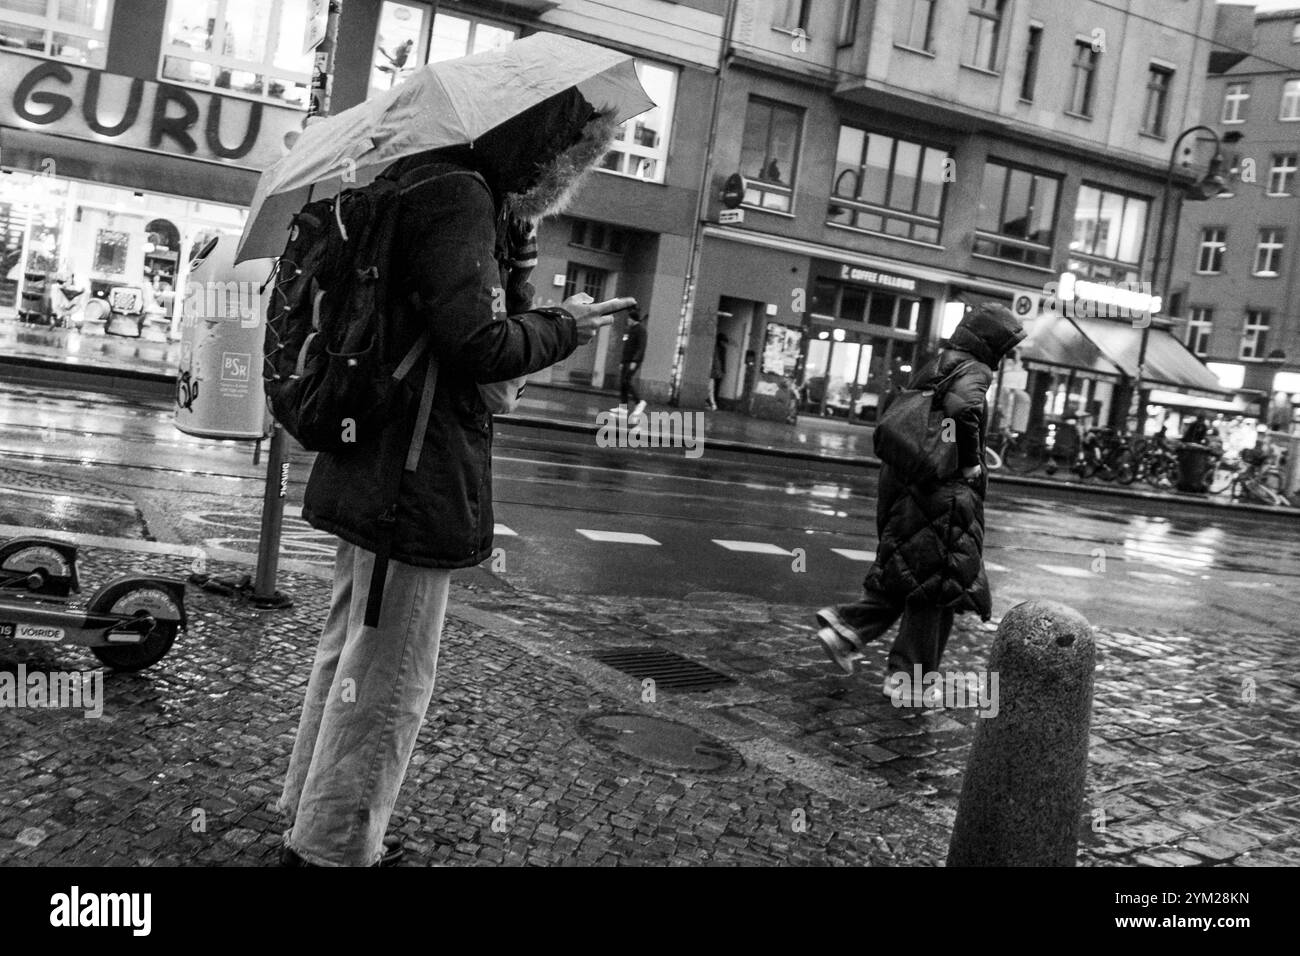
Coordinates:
(1030, 78)
(1268, 252)
(888, 185)
(75, 30)
(1159, 80)
(1017, 215)
(1236, 97)
(588, 279)
(1290, 101)
(769, 152)
(598, 236)
(1295, 32)
(248, 47)
(796, 15)
(1209, 257)
(1085, 71)
(456, 36)
(848, 22)
(1199, 325)
(1281, 175)
(1109, 229)
(918, 25)
(641, 148)
(1254, 336)
(983, 26)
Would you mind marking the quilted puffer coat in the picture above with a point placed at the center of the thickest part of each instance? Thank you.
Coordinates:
(931, 538)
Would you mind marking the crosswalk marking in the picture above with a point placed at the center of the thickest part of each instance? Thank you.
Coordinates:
(1066, 570)
(504, 531)
(855, 555)
(752, 547)
(991, 566)
(616, 537)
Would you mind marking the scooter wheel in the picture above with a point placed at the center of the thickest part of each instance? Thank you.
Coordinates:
(134, 597)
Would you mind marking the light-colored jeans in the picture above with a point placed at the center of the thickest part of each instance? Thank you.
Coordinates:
(366, 700)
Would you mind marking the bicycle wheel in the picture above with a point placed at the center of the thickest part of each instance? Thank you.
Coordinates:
(1218, 478)
(1256, 492)
(1023, 455)
(1272, 480)
(1123, 466)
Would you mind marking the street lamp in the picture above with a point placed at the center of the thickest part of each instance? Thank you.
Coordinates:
(1209, 186)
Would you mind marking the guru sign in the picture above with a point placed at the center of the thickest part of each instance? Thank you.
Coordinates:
(138, 114)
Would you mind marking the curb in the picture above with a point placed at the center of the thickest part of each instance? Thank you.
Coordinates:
(164, 384)
(575, 427)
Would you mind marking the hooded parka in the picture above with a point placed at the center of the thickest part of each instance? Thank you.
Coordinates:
(931, 537)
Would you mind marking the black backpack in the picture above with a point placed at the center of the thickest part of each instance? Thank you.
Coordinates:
(330, 371)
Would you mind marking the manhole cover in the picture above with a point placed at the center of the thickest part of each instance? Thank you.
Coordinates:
(669, 671)
(660, 742)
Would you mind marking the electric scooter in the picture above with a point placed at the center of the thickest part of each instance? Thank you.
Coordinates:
(130, 623)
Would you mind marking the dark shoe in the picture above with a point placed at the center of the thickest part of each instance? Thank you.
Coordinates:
(393, 851)
(289, 858)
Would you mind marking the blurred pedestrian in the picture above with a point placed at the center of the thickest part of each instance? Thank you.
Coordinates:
(929, 556)
(633, 355)
(371, 686)
(719, 369)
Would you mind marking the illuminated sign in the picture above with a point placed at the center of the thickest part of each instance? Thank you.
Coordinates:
(854, 274)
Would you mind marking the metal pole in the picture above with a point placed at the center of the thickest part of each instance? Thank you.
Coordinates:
(697, 227)
(277, 460)
(1155, 265)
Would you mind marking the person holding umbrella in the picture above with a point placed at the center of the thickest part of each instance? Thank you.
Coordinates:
(457, 250)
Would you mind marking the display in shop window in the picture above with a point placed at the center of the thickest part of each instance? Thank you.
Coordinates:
(781, 349)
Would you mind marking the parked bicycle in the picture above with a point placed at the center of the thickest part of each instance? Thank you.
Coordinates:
(1252, 478)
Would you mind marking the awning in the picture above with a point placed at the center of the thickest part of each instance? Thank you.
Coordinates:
(1159, 396)
(1053, 342)
(1168, 362)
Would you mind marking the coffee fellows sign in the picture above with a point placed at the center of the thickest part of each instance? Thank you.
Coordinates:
(67, 100)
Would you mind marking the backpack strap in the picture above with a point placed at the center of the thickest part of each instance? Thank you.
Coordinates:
(422, 347)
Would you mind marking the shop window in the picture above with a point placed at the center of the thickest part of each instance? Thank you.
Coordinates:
(75, 30)
(457, 36)
(401, 44)
(848, 28)
(598, 236)
(110, 252)
(245, 47)
(1017, 215)
(1236, 97)
(1200, 324)
(768, 153)
(888, 185)
(588, 279)
(1109, 231)
(983, 26)
(641, 148)
(1254, 336)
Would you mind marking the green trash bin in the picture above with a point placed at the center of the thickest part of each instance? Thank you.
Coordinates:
(1193, 467)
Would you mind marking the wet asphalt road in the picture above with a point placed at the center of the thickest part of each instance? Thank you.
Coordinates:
(779, 530)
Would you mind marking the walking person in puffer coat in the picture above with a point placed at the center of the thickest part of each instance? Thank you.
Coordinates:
(929, 562)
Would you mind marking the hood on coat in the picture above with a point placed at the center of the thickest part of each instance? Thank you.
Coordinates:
(989, 333)
(534, 162)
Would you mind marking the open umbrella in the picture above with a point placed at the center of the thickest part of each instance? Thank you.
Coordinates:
(443, 104)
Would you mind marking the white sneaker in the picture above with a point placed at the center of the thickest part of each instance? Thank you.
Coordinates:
(619, 410)
(637, 412)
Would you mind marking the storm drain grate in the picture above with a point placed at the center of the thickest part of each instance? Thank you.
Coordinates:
(668, 670)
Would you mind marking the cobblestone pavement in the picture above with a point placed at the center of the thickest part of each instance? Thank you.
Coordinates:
(188, 757)
(1195, 750)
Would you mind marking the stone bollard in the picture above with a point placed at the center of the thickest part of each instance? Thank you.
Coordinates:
(1022, 796)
